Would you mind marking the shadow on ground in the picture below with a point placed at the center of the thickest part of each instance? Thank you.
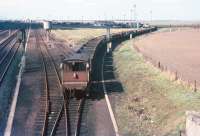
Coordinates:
(112, 84)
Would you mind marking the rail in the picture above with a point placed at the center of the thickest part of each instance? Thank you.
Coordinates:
(79, 109)
(9, 37)
(77, 129)
(66, 99)
(47, 97)
(7, 59)
(53, 130)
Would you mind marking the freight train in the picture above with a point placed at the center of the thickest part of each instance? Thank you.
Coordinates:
(76, 70)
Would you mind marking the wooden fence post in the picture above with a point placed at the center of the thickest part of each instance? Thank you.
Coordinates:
(176, 75)
(195, 85)
(159, 64)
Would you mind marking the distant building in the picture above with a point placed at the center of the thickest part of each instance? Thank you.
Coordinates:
(46, 25)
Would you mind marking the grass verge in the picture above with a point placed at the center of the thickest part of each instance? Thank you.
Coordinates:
(151, 104)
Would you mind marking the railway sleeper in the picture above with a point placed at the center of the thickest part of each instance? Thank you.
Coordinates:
(32, 69)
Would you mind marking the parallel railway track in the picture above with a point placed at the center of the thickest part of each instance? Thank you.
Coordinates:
(60, 115)
(53, 97)
(74, 114)
(74, 106)
(8, 50)
(3, 33)
(7, 39)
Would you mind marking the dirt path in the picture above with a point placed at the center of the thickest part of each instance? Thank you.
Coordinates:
(178, 51)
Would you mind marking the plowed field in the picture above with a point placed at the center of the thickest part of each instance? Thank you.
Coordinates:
(178, 51)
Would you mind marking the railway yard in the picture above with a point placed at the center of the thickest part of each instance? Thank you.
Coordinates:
(11, 52)
(126, 85)
(99, 68)
(43, 108)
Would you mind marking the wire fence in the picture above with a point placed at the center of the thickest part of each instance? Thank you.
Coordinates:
(174, 75)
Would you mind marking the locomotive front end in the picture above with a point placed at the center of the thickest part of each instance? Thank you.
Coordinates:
(75, 73)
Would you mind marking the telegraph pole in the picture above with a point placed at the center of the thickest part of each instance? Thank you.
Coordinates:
(124, 18)
(131, 17)
(134, 10)
(135, 16)
(82, 19)
(105, 16)
(151, 16)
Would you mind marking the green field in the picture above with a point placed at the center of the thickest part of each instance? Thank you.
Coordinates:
(151, 104)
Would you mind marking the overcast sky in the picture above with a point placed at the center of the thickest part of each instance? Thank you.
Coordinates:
(100, 9)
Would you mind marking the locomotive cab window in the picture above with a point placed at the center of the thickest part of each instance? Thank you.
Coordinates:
(76, 66)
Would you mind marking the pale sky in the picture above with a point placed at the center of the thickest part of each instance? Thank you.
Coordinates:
(100, 9)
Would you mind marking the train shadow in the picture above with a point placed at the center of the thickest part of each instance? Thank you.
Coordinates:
(106, 81)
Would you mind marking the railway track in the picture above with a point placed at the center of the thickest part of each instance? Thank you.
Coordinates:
(8, 51)
(74, 106)
(7, 40)
(60, 115)
(3, 33)
(52, 95)
(74, 114)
